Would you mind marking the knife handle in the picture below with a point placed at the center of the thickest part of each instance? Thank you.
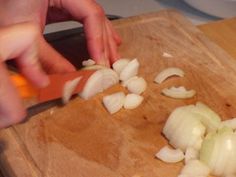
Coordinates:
(24, 87)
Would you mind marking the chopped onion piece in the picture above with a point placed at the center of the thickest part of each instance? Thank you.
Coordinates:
(183, 128)
(109, 78)
(230, 123)
(167, 55)
(136, 85)
(68, 89)
(195, 168)
(218, 151)
(191, 154)
(130, 70)
(166, 73)
(92, 86)
(119, 65)
(94, 67)
(125, 83)
(210, 119)
(114, 102)
(88, 62)
(132, 101)
(169, 155)
(178, 92)
(98, 82)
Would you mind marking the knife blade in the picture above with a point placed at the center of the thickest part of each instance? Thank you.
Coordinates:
(32, 96)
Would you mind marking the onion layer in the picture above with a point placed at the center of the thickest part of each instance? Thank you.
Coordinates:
(132, 101)
(98, 82)
(130, 70)
(166, 73)
(88, 62)
(178, 92)
(114, 102)
(135, 85)
(169, 155)
(68, 89)
(120, 64)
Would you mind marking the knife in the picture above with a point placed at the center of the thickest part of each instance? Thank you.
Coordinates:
(32, 96)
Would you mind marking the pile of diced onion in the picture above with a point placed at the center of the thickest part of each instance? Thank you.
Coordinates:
(199, 137)
(124, 71)
(196, 134)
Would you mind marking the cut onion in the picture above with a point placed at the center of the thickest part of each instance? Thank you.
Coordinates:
(88, 62)
(183, 128)
(109, 78)
(166, 73)
(178, 92)
(119, 65)
(114, 102)
(132, 101)
(98, 82)
(210, 119)
(190, 154)
(229, 123)
(130, 70)
(195, 168)
(94, 67)
(218, 151)
(136, 85)
(68, 89)
(169, 155)
(167, 55)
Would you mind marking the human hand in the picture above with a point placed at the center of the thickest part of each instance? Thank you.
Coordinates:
(102, 40)
(18, 42)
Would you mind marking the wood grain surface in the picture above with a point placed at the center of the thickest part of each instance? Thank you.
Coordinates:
(223, 33)
(82, 140)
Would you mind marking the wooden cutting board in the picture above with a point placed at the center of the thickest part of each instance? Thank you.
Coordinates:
(82, 140)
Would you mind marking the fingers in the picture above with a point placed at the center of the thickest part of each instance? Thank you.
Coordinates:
(51, 60)
(11, 109)
(102, 40)
(19, 42)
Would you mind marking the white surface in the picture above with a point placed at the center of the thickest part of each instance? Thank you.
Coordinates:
(126, 8)
(220, 8)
